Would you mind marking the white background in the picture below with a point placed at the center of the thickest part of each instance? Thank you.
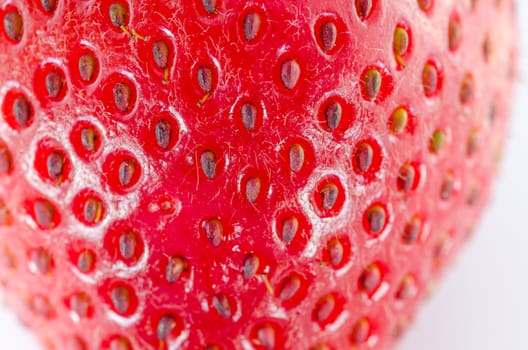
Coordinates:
(482, 304)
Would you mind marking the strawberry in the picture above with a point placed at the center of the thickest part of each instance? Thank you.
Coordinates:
(221, 174)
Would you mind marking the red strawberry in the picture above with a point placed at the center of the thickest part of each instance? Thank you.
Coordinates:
(221, 174)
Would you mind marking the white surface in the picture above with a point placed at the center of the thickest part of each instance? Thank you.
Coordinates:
(482, 304)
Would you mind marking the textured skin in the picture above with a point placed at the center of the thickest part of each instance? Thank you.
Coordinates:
(202, 172)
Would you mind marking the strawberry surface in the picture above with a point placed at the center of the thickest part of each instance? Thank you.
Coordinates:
(218, 174)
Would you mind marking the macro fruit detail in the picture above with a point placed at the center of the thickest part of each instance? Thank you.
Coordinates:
(222, 174)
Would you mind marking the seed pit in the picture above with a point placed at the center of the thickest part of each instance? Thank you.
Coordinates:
(267, 336)
(122, 97)
(327, 309)
(296, 157)
(163, 132)
(327, 35)
(366, 158)
(289, 228)
(80, 305)
(292, 290)
(122, 171)
(407, 288)
(22, 111)
(204, 76)
(408, 178)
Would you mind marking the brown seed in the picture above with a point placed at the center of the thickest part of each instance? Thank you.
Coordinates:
(44, 214)
(55, 165)
(364, 156)
(210, 6)
(400, 44)
(120, 343)
(328, 36)
(430, 79)
(329, 194)
(160, 51)
(252, 23)
(89, 139)
(253, 186)
(448, 187)
(41, 261)
(376, 219)
(213, 231)
(127, 172)
(289, 229)
(123, 98)
(399, 121)
(80, 305)
(87, 67)
(6, 160)
(249, 115)
(22, 111)
(290, 73)
(251, 266)
(467, 90)
(128, 245)
(41, 306)
(370, 279)
(166, 326)
(336, 252)
(49, 5)
(411, 231)
(425, 5)
(438, 141)
(13, 25)
(296, 157)
(118, 14)
(407, 288)
(454, 34)
(175, 267)
(333, 115)
(208, 163)
(473, 142)
(93, 210)
(289, 288)
(363, 8)
(372, 83)
(406, 178)
(266, 336)
(5, 215)
(54, 84)
(324, 308)
(221, 304)
(86, 261)
(163, 131)
(205, 79)
(360, 332)
(120, 296)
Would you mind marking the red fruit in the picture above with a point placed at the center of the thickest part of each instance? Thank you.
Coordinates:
(218, 174)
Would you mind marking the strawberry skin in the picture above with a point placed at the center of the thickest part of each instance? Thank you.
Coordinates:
(217, 174)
